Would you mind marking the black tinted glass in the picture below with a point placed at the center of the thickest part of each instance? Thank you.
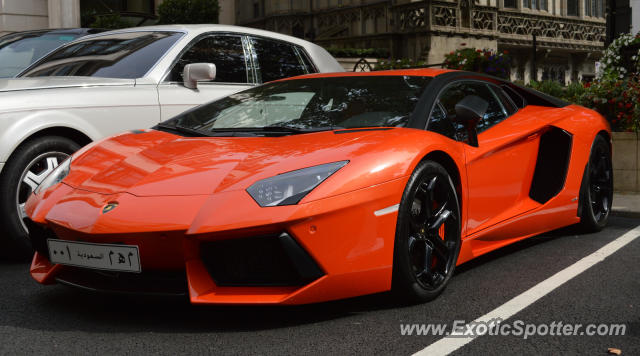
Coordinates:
(456, 92)
(225, 52)
(508, 104)
(515, 97)
(307, 63)
(277, 60)
(18, 51)
(121, 55)
(439, 122)
(347, 102)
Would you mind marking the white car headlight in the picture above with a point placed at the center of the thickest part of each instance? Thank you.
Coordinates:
(55, 177)
(289, 188)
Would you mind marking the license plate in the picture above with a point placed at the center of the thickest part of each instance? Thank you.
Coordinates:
(109, 257)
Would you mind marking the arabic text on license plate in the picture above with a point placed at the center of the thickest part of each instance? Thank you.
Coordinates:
(99, 256)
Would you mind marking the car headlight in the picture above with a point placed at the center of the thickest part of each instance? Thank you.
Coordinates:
(289, 188)
(56, 176)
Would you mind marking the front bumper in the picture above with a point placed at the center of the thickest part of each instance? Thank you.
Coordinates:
(327, 249)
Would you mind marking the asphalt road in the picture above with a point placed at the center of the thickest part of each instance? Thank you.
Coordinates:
(58, 319)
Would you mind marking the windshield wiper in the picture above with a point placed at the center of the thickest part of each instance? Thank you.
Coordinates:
(269, 129)
(275, 129)
(300, 130)
(183, 129)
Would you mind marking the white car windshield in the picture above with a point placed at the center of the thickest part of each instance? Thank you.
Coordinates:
(120, 55)
(18, 51)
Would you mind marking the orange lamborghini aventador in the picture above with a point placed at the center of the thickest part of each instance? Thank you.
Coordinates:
(322, 187)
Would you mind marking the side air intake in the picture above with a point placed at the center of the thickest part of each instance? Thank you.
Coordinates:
(552, 165)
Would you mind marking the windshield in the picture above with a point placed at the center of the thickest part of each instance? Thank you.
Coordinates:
(310, 104)
(120, 55)
(18, 51)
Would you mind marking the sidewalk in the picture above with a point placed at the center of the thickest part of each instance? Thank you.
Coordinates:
(627, 205)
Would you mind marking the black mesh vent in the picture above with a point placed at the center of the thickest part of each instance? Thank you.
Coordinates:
(274, 260)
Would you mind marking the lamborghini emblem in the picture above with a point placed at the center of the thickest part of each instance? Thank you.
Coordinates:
(107, 208)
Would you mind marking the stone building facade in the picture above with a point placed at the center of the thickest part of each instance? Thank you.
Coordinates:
(570, 34)
(23, 15)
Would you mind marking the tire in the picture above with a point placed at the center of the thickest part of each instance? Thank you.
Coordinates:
(40, 155)
(427, 241)
(596, 190)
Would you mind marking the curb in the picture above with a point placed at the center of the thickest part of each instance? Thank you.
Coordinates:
(626, 213)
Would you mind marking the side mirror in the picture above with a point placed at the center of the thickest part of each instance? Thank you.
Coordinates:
(469, 111)
(194, 72)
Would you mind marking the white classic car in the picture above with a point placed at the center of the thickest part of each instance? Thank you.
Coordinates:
(121, 80)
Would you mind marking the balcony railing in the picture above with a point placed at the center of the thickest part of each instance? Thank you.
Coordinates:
(448, 17)
(511, 26)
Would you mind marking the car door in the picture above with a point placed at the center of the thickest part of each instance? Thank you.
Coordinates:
(500, 168)
(229, 52)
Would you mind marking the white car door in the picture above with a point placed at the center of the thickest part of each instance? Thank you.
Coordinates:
(227, 52)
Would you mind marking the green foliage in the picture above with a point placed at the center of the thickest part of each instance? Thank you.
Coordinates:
(496, 63)
(110, 22)
(573, 92)
(188, 11)
(358, 52)
(617, 100)
(387, 64)
(612, 67)
(615, 93)
(548, 87)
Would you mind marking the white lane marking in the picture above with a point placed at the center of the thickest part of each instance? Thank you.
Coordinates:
(387, 210)
(448, 345)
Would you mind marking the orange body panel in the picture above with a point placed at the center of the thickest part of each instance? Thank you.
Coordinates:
(176, 193)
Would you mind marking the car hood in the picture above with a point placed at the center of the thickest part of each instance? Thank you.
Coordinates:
(155, 163)
(16, 84)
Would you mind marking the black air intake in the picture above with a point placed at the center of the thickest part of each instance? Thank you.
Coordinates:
(38, 235)
(552, 165)
(272, 260)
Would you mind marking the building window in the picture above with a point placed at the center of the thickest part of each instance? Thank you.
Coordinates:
(587, 7)
(601, 7)
(534, 4)
(572, 7)
(593, 8)
(510, 4)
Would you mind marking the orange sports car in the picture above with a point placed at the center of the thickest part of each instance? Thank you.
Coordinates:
(322, 187)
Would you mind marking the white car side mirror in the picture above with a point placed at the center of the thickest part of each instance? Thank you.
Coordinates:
(194, 72)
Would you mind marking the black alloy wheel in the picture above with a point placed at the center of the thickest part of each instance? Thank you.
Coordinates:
(427, 235)
(597, 187)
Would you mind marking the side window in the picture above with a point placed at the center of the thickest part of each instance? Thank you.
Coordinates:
(456, 92)
(439, 122)
(306, 61)
(226, 52)
(277, 60)
(515, 97)
(507, 103)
